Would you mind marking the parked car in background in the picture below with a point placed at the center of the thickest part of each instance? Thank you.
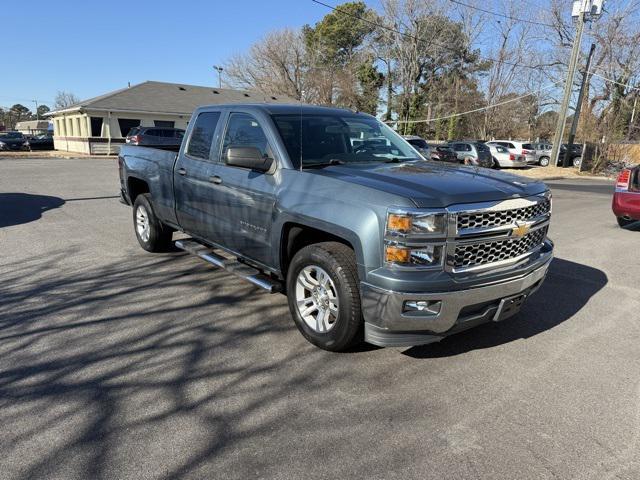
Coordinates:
(13, 141)
(626, 198)
(163, 137)
(443, 153)
(419, 144)
(473, 153)
(575, 156)
(41, 142)
(502, 158)
(542, 152)
(518, 148)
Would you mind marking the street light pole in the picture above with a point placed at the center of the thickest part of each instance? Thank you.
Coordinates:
(219, 70)
(37, 113)
(568, 86)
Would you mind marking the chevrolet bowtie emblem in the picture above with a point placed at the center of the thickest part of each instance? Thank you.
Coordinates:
(520, 230)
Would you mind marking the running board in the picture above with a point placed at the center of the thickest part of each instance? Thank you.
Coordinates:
(232, 265)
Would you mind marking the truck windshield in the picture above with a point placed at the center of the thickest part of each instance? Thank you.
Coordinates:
(322, 139)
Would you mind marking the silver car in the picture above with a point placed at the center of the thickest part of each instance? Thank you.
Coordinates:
(473, 153)
(502, 157)
(542, 153)
(517, 148)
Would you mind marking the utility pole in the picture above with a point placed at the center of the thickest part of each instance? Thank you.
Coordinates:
(633, 117)
(219, 70)
(562, 114)
(576, 115)
(37, 113)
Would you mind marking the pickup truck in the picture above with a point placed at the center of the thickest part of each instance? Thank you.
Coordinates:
(367, 239)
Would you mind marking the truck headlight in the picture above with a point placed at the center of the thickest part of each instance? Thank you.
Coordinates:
(424, 256)
(415, 238)
(416, 223)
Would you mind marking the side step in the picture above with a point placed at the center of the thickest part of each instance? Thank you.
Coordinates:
(232, 265)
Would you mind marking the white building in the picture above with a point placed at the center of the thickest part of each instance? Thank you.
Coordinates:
(99, 125)
(34, 127)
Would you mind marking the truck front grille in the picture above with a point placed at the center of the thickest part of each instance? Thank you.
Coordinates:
(471, 255)
(487, 219)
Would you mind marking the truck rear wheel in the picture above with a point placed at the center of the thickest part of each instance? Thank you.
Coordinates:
(324, 297)
(152, 235)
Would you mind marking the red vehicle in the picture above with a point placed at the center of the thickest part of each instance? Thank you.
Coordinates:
(626, 199)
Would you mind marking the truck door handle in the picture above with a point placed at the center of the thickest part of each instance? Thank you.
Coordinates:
(215, 179)
(182, 171)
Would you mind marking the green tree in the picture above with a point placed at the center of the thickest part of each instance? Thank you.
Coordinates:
(42, 109)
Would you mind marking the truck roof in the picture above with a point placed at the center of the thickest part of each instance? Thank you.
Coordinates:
(289, 108)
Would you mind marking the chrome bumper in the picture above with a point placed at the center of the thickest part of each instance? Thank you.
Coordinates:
(386, 324)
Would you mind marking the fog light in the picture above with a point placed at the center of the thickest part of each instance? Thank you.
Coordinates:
(425, 307)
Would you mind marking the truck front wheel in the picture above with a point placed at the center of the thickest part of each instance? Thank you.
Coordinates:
(323, 295)
(152, 235)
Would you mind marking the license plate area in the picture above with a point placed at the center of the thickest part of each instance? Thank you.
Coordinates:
(509, 306)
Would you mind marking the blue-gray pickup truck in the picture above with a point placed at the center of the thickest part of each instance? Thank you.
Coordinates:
(367, 239)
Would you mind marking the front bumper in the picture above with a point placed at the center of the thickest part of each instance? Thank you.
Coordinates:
(387, 325)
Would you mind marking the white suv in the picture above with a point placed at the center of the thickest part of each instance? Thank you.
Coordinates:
(518, 148)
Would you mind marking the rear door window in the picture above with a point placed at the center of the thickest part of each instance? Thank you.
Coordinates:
(202, 135)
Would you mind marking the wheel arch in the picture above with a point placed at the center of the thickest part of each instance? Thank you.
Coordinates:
(296, 235)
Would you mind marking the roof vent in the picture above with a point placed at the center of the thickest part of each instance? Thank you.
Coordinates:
(182, 88)
(246, 94)
(216, 92)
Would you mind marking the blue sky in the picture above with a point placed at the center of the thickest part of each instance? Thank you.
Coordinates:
(89, 48)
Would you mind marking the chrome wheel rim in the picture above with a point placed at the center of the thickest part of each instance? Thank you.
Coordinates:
(317, 299)
(142, 223)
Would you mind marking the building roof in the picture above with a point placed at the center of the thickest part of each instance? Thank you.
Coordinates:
(172, 98)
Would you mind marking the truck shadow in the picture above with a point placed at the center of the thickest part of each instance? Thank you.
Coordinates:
(19, 208)
(567, 288)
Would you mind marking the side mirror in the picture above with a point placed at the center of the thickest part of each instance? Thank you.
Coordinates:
(248, 157)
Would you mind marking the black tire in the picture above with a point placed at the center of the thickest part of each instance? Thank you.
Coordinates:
(577, 161)
(495, 164)
(339, 262)
(624, 222)
(543, 162)
(159, 235)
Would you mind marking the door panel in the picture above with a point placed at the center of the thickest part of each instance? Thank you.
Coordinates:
(195, 193)
(245, 199)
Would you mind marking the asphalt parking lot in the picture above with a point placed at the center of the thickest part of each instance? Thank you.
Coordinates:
(117, 363)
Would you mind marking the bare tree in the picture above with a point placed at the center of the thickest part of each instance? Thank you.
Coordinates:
(64, 100)
(276, 65)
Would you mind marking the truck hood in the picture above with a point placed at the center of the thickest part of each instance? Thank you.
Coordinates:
(435, 184)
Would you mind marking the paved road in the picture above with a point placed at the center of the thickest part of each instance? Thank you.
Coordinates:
(116, 363)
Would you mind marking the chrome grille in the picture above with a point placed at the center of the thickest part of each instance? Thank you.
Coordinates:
(487, 219)
(470, 255)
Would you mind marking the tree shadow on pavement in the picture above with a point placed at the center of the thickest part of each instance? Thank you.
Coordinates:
(567, 288)
(150, 364)
(19, 208)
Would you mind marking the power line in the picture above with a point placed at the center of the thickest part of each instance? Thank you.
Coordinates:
(610, 80)
(419, 39)
(475, 110)
(497, 14)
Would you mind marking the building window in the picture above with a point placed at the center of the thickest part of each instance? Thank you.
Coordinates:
(126, 124)
(202, 136)
(96, 126)
(164, 123)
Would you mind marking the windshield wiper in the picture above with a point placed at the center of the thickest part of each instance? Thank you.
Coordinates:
(333, 161)
(398, 160)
